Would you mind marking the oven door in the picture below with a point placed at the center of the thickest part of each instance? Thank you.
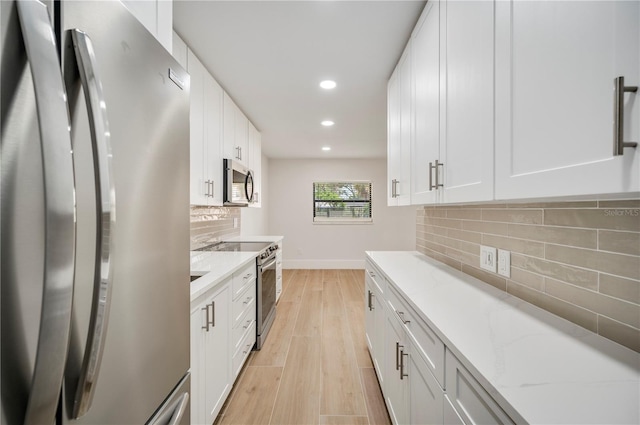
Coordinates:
(266, 298)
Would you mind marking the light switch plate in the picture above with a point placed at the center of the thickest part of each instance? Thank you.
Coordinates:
(504, 263)
(488, 260)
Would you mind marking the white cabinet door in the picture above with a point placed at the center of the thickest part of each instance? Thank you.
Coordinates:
(241, 137)
(255, 164)
(425, 395)
(467, 67)
(180, 50)
(425, 144)
(229, 128)
(217, 361)
(213, 100)
(393, 137)
(199, 186)
(394, 388)
(555, 67)
(403, 187)
(156, 16)
(399, 132)
(198, 343)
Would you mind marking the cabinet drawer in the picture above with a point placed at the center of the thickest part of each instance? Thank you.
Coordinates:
(244, 300)
(243, 324)
(376, 276)
(427, 342)
(242, 278)
(244, 350)
(471, 402)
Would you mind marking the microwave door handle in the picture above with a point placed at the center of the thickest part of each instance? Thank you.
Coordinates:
(248, 182)
(105, 220)
(59, 225)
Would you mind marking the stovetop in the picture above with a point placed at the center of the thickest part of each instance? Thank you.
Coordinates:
(236, 246)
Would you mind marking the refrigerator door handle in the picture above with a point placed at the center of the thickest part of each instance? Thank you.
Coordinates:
(105, 221)
(59, 187)
(180, 410)
(174, 413)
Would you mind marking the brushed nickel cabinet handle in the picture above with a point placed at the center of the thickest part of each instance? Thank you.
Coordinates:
(207, 317)
(397, 355)
(402, 354)
(618, 116)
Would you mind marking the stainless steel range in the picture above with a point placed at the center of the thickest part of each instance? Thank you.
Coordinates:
(266, 280)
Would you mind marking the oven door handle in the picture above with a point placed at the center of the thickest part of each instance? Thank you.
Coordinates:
(269, 264)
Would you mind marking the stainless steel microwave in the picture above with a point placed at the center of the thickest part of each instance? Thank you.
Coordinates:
(238, 184)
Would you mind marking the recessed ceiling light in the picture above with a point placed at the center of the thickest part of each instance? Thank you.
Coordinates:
(328, 84)
(327, 123)
(326, 148)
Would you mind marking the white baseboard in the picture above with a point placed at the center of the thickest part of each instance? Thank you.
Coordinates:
(323, 264)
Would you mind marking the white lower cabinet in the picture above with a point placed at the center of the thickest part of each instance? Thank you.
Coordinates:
(422, 381)
(425, 394)
(394, 388)
(223, 333)
(473, 404)
(375, 317)
(210, 372)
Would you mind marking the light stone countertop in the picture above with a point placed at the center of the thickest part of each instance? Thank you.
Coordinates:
(214, 268)
(540, 368)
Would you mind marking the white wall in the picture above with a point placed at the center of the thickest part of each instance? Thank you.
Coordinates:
(309, 245)
(253, 221)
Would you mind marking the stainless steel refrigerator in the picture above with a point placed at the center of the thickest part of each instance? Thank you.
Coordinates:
(94, 208)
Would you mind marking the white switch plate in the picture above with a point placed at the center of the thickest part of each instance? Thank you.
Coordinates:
(488, 258)
(504, 262)
(236, 222)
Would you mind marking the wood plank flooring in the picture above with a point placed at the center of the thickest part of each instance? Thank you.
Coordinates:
(314, 367)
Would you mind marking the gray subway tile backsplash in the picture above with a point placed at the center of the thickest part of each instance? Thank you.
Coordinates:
(577, 259)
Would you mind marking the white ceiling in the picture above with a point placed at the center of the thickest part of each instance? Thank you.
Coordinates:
(270, 57)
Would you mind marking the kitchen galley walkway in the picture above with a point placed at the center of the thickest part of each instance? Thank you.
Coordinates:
(314, 367)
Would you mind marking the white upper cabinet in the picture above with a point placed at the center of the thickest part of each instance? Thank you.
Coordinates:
(255, 164)
(236, 132)
(400, 130)
(452, 53)
(199, 186)
(466, 100)
(213, 100)
(393, 137)
(179, 50)
(425, 144)
(205, 135)
(156, 16)
(555, 69)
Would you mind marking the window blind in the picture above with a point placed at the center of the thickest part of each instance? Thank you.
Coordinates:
(342, 201)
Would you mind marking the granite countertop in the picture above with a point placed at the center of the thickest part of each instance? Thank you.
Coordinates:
(538, 367)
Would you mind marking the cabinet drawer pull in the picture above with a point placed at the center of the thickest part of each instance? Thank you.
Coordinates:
(247, 324)
(401, 316)
(247, 301)
(618, 116)
(398, 355)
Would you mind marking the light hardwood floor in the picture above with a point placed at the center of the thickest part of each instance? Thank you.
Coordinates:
(314, 367)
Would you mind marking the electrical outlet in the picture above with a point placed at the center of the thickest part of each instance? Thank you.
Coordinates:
(504, 262)
(488, 258)
(236, 222)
